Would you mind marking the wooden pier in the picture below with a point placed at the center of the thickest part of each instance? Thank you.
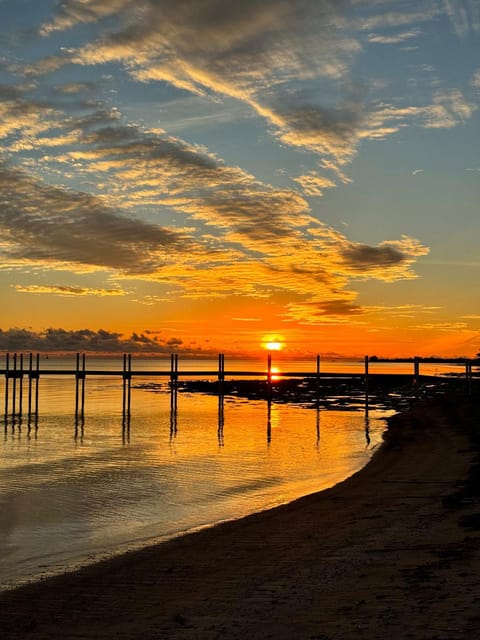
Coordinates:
(19, 368)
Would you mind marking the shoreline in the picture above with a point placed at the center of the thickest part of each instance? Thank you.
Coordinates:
(392, 550)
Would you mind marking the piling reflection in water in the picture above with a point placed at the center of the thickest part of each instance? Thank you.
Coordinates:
(367, 429)
(15, 374)
(221, 420)
(126, 430)
(79, 429)
(14, 420)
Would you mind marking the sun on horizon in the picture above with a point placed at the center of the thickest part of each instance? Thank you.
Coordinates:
(274, 345)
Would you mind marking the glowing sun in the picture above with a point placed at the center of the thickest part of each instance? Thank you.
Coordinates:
(273, 345)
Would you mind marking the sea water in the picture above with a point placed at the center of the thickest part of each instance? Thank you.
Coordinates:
(75, 490)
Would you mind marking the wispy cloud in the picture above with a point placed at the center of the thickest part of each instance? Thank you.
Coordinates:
(448, 109)
(249, 53)
(72, 12)
(267, 56)
(396, 38)
(464, 16)
(63, 290)
(314, 184)
(475, 81)
(444, 326)
(379, 16)
(401, 310)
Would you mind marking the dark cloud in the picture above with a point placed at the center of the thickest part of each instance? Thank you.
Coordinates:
(362, 256)
(41, 223)
(11, 91)
(251, 212)
(100, 117)
(54, 340)
(130, 142)
(18, 112)
(331, 131)
(57, 340)
(320, 308)
(338, 308)
(74, 88)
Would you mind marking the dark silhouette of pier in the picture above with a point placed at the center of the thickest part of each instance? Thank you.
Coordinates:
(266, 383)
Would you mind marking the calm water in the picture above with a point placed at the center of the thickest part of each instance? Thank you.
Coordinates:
(70, 493)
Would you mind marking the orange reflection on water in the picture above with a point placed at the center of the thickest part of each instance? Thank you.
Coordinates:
(273, 373)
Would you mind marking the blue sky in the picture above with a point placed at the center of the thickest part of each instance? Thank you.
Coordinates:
(213, 172)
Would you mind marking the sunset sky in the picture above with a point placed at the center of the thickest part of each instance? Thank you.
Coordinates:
(209, 175)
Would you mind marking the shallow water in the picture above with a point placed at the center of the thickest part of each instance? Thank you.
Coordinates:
(71, 493)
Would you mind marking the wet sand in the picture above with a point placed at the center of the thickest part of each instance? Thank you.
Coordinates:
(392, 552)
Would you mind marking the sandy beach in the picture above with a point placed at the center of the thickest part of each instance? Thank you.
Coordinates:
(392, 552)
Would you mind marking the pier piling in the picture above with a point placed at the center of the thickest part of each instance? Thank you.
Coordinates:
(416, 375)
(173, 382)
(129, 384)
(80, 375)
(30, 370)
(7, 376)
(126, 395)
(124, 385)
(269, 377)
(14, 385)
(77, 379)
(20, 391)
(221, 373)
(83, 386)
(317, 381)
(366, 383)
(468, 376)
(37, 380)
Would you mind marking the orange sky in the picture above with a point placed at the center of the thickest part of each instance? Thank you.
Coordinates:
(205, 181)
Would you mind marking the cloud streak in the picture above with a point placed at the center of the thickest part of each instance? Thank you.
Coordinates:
(397, 38)
(63, 290)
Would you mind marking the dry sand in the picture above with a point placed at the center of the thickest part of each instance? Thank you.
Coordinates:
(392, 552)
